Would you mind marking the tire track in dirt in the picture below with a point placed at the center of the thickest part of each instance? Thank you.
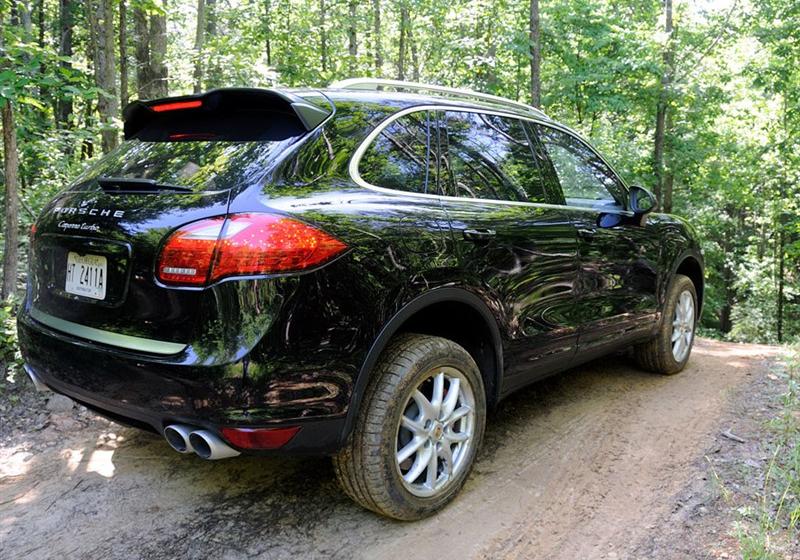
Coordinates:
(578, 466)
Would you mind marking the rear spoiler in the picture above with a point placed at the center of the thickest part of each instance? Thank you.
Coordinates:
(139, 114)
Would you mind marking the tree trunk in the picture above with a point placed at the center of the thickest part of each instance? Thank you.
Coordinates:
(781, 279)
(40, 25)
(211, 18)
(667, 172)
(536, 55)
(352, 39)
(211, 78)
(101, 17)
(412, 43)
(66, 23)
(663, 104)
(27, 21)
(401, 51)
(377, 39)
(38, 8)
(158, 54)
(123, 54)
(729, 295)
(142, 52)
(87, 146)
(199, 40)
(323, 37)
(11, 166)
(666, 191)
(151, 52)
(268, 30)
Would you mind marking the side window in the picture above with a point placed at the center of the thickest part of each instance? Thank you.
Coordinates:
(489, 157)
(584, 178)
(399, 157)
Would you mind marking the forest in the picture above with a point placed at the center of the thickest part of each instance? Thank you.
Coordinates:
(696, 100)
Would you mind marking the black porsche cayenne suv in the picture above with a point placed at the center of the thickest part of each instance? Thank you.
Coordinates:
(360, 271)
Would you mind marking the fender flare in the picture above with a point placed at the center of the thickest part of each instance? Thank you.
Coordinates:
(677, 262)
(393, 325)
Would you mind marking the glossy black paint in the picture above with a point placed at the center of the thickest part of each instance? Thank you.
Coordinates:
(533, 298)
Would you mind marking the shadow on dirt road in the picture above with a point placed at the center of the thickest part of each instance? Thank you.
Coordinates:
(572, 467)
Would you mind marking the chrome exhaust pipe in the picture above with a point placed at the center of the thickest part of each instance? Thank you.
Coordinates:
(38, 383)
(209, 446)
(177, 437)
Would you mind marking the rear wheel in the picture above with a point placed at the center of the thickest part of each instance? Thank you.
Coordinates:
(669, 350)
(418, 430)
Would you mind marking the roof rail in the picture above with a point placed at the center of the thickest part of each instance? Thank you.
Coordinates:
(369, 84)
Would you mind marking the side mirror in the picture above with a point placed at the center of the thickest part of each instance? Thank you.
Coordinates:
(641, 201)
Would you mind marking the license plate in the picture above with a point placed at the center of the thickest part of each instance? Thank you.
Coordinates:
(86, 275)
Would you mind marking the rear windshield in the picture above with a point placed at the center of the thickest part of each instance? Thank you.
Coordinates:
(199, 165)
(204, 152)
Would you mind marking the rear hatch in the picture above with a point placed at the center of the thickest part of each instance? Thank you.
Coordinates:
(96, 244)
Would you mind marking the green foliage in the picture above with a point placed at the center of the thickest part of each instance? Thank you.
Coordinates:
(732, 143)
(10, 358)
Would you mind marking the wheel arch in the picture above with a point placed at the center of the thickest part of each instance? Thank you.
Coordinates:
(691, 265)
(447, 312)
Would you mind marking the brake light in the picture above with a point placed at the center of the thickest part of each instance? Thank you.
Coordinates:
(187, 255)
(177, 105)
(203, 252)
(259, 438)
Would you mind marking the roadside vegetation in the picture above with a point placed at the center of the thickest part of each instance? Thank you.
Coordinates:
(769, 522)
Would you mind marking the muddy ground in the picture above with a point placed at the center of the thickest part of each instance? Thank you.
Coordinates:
(603, 461)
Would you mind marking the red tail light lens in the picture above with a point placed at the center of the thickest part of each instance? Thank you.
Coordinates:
(243, 245)
(177, 105)
(189, 252)
(259, 438)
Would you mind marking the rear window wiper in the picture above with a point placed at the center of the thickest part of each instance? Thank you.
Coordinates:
(137, 185)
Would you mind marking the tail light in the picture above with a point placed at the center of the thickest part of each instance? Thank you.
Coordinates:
(203, 252)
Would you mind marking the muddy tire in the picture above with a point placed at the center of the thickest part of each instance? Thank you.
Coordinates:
(419, 429)
(668, 352)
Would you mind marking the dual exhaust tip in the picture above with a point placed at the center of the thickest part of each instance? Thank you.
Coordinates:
(207, 445)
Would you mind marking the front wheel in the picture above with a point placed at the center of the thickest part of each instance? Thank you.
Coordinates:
(418, 431)
(668, 352)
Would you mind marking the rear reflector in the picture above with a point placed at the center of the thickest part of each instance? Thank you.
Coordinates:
(259, 438)
(177, 105)
(203, 252)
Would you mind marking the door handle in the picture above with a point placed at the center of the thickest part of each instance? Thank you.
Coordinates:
(587, 233)
(478, 234)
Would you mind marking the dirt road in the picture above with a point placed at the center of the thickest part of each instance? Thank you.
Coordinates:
(584, 465)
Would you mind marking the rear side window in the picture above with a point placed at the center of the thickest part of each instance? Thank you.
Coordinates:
(400, 156)
(585, 179)
(490, 157)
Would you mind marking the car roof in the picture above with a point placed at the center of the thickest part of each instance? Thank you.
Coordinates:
(400, 100)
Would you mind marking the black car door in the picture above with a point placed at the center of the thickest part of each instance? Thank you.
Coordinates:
(516, 249)
(616, 289)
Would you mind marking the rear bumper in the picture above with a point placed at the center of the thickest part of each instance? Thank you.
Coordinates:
(151, 395)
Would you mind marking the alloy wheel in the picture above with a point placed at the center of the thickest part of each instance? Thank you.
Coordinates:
(683, 326)
(435, 432)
